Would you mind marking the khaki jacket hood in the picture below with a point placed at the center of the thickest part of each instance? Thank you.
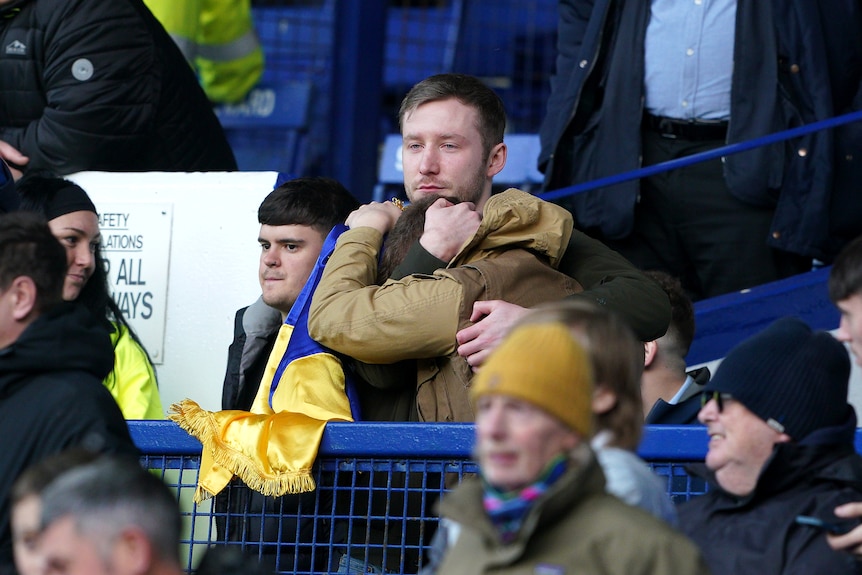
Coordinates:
(516, 219)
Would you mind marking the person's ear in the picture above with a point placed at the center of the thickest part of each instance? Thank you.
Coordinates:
(133, 550)
(24, 296)
(604, 399)
(497, 159)
(650, 351)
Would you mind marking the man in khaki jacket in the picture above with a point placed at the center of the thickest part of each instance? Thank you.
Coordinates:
(453, 129)
(512, 254)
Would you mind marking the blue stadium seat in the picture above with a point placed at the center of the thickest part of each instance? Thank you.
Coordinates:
(268, 129)
(390, 172)
(521, 171)
(420, 42)
(296, 38)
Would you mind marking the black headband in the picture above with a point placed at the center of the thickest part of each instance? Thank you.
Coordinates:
(69, 199)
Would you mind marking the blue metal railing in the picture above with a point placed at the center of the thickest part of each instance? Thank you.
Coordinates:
(727, 150)
(376, 488)
(399, 440)
(377, 485)
(726, 320)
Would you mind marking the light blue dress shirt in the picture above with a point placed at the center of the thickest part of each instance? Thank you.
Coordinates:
(689, 58)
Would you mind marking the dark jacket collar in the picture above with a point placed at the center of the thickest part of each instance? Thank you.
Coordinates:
(682, 413)
(65, 338)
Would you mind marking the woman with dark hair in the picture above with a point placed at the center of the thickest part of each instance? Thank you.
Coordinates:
(74, 221)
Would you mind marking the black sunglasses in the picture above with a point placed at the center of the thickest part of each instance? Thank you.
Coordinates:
(719, 398)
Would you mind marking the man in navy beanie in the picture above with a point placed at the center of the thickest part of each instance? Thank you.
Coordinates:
(780, 445)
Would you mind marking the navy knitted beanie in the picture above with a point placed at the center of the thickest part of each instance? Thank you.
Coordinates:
(789, 374)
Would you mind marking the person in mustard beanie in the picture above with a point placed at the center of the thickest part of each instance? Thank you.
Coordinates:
(617, 358)
(539, 503)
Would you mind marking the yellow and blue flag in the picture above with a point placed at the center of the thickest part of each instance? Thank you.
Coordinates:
(273, 446)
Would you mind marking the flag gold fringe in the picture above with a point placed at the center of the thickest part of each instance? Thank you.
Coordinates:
(201, 424)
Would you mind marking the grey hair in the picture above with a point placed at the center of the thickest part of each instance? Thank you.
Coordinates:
(112, 494)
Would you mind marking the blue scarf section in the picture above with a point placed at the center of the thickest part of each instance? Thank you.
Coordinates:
(507, 510)
(301, 344)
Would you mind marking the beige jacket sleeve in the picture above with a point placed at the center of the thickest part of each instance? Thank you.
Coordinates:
(413, 318)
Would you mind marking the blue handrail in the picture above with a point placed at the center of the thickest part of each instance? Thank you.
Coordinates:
(412, 440)
(422, 440)
(702, 156)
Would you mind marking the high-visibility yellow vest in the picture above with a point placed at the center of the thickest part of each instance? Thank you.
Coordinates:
(217, 37)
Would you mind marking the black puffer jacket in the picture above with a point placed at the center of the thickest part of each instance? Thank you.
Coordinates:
(757, 534)
(99, 85)
(52, 398)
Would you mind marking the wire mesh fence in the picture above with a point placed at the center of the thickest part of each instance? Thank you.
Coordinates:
(374, 506)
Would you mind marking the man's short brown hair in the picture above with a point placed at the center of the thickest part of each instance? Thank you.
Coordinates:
(468, 90)
(28, 248)
(845, 279)
(680, 331)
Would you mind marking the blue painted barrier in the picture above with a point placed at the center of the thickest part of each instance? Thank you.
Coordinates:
(376, 488)
(412, 440)
(377, 485)
(724, 321)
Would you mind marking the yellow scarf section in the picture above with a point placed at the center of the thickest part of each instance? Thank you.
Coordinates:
(273, 448)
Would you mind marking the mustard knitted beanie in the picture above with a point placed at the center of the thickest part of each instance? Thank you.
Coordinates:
(542, 364)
